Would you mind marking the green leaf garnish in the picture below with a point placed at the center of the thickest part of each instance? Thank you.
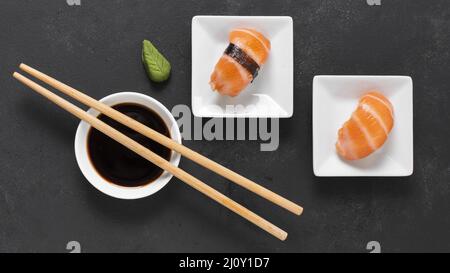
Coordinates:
(156, 65)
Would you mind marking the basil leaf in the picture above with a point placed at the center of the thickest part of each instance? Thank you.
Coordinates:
(156, 65)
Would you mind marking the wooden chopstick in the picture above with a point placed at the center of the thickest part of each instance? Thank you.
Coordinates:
(165, 141)
(155, 159)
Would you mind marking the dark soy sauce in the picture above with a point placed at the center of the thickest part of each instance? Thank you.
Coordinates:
(116, 163)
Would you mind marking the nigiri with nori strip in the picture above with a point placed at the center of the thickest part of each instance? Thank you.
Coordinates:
(239, 65)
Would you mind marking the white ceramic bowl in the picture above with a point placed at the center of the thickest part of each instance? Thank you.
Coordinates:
(97, 180)
(271, 95)
(335, 98)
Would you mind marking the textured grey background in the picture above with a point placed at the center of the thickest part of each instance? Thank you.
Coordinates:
(45, 201)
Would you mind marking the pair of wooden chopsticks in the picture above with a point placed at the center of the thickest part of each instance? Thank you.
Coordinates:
(163, 140)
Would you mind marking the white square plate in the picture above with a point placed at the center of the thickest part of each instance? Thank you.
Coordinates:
(335, 98)
(270, 95)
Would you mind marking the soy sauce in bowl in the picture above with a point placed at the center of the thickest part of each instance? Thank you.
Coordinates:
(119, 165)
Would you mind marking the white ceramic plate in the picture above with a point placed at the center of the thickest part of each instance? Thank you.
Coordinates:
(272, 92)
(335, 98)
(88, 170)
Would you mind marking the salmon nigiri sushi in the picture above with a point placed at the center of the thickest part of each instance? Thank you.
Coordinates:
(239, 65)
(368, 127)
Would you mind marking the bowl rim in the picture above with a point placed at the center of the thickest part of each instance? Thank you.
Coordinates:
(109, 188)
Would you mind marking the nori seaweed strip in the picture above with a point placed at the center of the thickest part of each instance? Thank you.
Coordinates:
(243, 59)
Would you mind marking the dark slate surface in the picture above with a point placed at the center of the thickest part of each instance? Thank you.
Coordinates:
(45, 201)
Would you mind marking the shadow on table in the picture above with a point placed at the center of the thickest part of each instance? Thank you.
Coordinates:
(375, 186)
(175, 200)
(139, 211)
(59, 123)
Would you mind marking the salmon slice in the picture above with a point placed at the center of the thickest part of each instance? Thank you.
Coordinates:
(368, 127)
(229, 77)
(236, 70)
(252, 42)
